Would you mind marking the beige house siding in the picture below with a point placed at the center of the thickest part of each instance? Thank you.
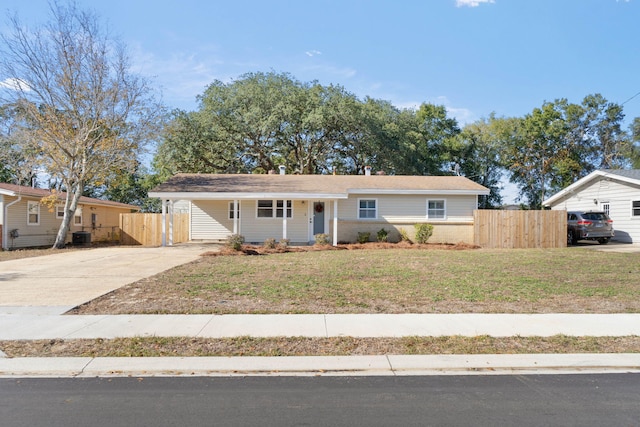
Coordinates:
(256, 229)
(457, 226)
(44, 234)
(210, 220)
(619, 197)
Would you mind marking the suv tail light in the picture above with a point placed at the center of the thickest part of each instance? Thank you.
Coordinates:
(584, 222)
(609, 221)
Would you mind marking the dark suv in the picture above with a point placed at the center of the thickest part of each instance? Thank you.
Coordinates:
(589, 226)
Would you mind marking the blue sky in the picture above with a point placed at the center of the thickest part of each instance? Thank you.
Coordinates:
(473, 56)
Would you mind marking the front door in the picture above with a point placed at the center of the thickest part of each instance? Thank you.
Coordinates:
(318, 218)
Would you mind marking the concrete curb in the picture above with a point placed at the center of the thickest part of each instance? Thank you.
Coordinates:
(389, 365)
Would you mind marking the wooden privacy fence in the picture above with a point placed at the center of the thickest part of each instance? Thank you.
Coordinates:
(520, 229)
(146, 228)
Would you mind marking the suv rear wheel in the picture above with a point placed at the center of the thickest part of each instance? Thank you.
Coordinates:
(603, 240)
(571, 238)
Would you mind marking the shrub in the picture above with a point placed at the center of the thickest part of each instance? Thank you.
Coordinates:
(322, 239)
(423, 232)
(404, 235)
(235, 242)
(284, 243)
(269, 243)
(363, 236)
(382, 235)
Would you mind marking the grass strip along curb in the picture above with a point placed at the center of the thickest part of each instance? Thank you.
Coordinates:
(302, 346)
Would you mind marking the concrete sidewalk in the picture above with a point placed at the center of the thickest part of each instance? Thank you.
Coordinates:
(18, 326)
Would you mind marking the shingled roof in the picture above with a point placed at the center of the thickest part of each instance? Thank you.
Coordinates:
(21, 190)
(213, 186)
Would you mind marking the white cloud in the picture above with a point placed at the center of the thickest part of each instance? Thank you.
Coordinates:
(472, 3)
(15, 84)
(313, 52)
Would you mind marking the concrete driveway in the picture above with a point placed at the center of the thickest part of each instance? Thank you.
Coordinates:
(67, 279)
(613, 246)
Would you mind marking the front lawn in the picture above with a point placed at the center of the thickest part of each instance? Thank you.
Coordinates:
(570, 280)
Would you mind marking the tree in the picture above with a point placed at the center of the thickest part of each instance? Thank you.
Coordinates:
(534, 152)
(84, 113)
(15, 166)
(424, 149)
(476, 151)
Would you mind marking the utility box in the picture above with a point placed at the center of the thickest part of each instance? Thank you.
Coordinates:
(81, 238)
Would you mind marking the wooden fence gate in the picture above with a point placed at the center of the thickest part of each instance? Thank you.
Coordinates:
(520, 229)
(146, 228)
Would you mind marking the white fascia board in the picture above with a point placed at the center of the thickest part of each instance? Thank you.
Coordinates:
(7, 192)
(421, 192)
(573, 187)
(245, 196)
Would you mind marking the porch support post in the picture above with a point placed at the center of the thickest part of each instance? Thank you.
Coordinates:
(236, 210)
(170, 222)
(164, 222)
(284, 218)
(335, 222)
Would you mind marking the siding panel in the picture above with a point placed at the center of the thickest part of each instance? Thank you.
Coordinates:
(619, 197)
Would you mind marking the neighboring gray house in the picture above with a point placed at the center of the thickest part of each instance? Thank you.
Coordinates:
(616, 192)
(297, 207)
(25, 222)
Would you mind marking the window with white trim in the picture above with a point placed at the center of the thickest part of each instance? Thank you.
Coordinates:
(606, 207)
(59, 211)
(367, 208)
(274, 208)
(436, 209)
(280, 206)
(33, 213)
(635, 208)
(232, 210)
(77, 216)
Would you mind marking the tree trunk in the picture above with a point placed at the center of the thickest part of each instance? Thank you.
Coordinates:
(70, 205)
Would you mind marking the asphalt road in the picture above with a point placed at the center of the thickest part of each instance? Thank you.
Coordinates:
(580, 400)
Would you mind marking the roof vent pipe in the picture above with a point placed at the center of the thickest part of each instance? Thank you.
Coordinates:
(282, 169)
(367, 170)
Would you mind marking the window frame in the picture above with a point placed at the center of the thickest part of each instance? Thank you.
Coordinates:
(30, 204)
(273, 208)
(444, 210)
(368, 209)
(77, 214)
(635, 209)
(281, 209)
(59, 211)
(231, 211)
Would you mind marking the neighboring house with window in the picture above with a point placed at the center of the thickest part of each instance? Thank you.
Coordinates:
(616, 192)
(26, 222)
(298, 207)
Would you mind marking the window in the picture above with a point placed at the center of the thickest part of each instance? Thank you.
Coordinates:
(280, 208)
(606, 207)
(59, 211)
(232, 210)
(635, 208)
(266, 208)
(367, 209)
(77, 216)
(436, 209)
(33, 213)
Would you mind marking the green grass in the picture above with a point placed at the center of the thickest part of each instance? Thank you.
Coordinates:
(301, 346)
(399, 280)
